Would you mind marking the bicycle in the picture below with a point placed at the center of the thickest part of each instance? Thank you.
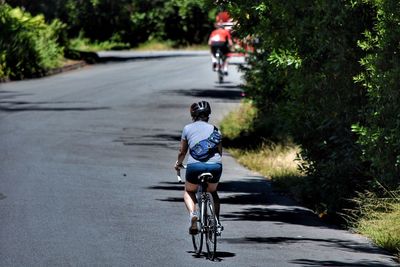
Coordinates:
(209, 227)
(220, 63)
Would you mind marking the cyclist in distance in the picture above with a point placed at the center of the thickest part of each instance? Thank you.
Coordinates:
(192, 133)
(220, 38)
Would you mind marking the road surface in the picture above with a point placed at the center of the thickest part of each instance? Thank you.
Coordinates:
(86, 176)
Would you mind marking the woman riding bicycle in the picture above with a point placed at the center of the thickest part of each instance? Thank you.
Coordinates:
(193, 133)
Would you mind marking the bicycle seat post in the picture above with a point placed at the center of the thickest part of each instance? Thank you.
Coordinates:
(204, 178)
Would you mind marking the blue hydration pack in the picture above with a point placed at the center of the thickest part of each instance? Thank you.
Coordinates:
(205, 149)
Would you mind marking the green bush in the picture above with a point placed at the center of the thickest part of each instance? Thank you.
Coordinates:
(184, 22)
(379, 133)
(133, 21)
(301, 78)
(28, 46)
(84, 44)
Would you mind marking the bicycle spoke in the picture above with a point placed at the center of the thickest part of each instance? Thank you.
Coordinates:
(211, 231)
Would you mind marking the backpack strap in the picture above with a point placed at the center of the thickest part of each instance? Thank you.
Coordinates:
(215, 134)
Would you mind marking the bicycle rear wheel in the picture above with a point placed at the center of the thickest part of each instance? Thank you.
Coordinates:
(210, 230)
(197, 239)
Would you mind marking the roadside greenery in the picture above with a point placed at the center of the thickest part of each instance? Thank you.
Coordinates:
(377, 216)
(85, 44)
(373, 214)
(328, 79)
(31, 44)
(159, 45)
(241, 122)
(379, 132)
(301, 81)
(276, 161)
(28, 45)
(183, 22)
(325, 74)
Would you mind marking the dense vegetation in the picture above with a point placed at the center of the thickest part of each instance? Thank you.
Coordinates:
(325, 73)
(127, 21)
(33, 34)
(28, 46)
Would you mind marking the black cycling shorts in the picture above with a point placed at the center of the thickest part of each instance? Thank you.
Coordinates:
(221, 45)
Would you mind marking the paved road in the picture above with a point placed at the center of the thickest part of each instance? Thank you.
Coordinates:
(86, 176)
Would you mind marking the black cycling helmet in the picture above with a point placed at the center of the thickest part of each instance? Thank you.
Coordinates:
(200, 109)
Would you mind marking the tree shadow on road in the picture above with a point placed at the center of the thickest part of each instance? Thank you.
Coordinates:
(363, 263)
(262, 203)
(219, 256)
(256, 195)
(20, 106)
(299, 216)
(346, 245)
(222, 92)
(170, 186)
(254, 200)
(170, 141)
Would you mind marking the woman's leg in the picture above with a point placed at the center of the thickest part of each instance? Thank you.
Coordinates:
(212, 188)
(189, 196)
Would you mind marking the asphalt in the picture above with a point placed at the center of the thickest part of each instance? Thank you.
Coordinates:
(115, 56)
(87, 179)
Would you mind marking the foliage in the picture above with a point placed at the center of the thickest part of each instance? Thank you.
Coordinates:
(93, 25)
(185, 22)
(301, 77)
(84, 44)
(129, 21)
(28, 46)
(379, 133)
(239, 122)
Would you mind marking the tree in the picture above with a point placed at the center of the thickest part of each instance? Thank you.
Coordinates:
(28, 46)
(301, 78)
(132, 21)
(379, 132)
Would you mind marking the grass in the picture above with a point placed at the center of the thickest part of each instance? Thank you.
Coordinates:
(84, 44)
(277, 161)
(155, 45)
(239, 122)
(271, 160)
(378, 218)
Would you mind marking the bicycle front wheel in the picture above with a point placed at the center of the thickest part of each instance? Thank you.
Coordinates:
(220, 64)
(211, 230)
(197, 239)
